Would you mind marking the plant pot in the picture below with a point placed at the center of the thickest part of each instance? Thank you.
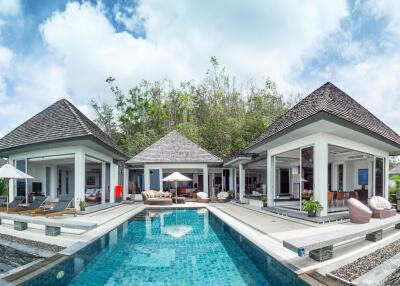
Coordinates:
(312, 214)
(265, 205)
(83, 209)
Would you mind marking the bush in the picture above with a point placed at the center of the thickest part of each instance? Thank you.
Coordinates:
(3, 187)
(392, 195)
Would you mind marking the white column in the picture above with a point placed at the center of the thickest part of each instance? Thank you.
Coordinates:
(146, 177)
(205, 179)
(321, 174)
(79, 177)
(160, 172)
(103, 182)
(53, 182)
(386, 178)
(234, 183)
(270, 180)
(242, 177)
(230, 179)
(126, 183)
(113, 181)
(11, 189)
(212, 184)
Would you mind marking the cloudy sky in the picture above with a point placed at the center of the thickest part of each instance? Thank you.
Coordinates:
(66, 49)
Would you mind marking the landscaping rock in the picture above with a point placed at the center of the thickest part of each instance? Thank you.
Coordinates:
(364, 264)
(38, 244)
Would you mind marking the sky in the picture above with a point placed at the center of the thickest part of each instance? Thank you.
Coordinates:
(66, 49)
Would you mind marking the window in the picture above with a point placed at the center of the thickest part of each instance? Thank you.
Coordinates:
(340, 177)
(66, 181)
(59, 182)
(21, 184)
(48, 180)
(379, 173)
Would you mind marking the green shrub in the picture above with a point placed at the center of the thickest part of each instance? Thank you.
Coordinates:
(3, 187)
(312, 205)
(392, 195)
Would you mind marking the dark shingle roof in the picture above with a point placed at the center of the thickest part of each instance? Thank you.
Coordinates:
(330, 99)
(61, 120)
(174, 148)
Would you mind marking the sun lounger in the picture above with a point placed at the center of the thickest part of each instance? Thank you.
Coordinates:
(358, 212)
(14, 205)
(59, 209)
(35, 206)
(223, 197)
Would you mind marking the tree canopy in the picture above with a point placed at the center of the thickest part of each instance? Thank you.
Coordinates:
(216, 113)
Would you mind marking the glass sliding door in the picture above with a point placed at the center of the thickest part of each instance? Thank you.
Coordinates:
(379, 176)
(307, 173)
(21, 185)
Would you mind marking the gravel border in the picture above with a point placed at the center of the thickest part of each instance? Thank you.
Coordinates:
(364, 264)
(38, 244)
(393, 279)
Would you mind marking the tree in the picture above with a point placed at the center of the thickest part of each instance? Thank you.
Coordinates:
(215, 113)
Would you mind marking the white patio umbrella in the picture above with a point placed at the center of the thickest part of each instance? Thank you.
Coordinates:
(176, 177)
(9, 172)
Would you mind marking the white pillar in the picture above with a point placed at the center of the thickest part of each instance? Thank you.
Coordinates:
(146, 177)
(103, 182)
(113, 181)
(212, 184)
(160, 172)
(230, 179)
(386, 178)
(321, 174)
(270, 180)
(79, 177)
(205, 179)
(126, 183)
(242, 177)
(234, 183)
(53, 182)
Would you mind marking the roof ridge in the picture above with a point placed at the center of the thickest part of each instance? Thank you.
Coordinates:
(69, 105)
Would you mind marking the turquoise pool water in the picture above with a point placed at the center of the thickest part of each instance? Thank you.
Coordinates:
(170, 247)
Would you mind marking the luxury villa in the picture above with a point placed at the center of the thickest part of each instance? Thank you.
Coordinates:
(326, 143)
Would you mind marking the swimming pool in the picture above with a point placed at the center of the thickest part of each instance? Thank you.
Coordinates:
(170, 247)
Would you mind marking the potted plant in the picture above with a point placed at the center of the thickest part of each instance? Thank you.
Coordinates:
(82, 205)
(312, 207)
(230, 192)
(264, 200)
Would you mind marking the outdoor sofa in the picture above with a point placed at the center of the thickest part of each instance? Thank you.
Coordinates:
(157, 198)
(223, 197)
(380, 207)
(358, 212)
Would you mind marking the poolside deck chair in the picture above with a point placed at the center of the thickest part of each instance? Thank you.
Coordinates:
(202, 197)
(59, 209)
(35, 206)
(14, 205)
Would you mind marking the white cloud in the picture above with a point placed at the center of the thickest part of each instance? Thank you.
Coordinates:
(249, 38)
(10, 7)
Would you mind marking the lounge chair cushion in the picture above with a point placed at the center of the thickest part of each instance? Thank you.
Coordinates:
(202, 195)
(222, 195)
(379, 203)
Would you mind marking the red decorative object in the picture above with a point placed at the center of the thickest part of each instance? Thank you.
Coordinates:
(118, 191)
